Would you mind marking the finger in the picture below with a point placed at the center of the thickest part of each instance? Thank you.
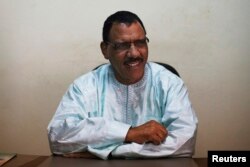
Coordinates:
(161, 136)
(164, 131)
(156, 139)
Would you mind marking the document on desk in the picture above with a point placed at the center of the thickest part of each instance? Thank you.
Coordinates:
(5, 157)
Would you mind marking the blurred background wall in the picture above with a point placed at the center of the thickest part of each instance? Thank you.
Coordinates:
(45, 45)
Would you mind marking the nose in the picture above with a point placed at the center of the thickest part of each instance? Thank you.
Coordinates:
(133, 51)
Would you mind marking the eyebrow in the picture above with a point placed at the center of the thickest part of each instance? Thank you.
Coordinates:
(129, 40)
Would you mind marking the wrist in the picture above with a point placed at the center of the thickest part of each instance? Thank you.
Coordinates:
(128, 138)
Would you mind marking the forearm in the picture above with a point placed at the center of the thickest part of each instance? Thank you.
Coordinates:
(175, 145)
(68, 136)
(149, 132)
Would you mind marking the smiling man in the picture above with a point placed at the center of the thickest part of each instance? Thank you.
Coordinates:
(126, 49)
(129, 108)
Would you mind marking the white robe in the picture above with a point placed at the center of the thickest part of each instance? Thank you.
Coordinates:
(97, 111)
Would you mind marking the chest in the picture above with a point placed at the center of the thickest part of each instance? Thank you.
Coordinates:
(133, 106)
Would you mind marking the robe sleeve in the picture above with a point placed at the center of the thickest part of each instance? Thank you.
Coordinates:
(178, 117)
(74, 128)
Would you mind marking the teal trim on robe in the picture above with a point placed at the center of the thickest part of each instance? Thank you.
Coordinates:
(97, 111)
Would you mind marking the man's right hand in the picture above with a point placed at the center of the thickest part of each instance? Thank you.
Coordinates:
(150, 132)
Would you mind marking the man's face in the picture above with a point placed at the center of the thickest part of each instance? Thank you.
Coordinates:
(128, 62)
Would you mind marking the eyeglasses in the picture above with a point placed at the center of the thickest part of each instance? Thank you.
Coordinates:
(122, 46)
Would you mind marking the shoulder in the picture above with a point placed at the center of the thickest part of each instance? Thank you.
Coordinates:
(92, 78)
(162, 77)
(158, 70)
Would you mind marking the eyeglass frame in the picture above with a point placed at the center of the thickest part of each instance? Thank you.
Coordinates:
(123, 46)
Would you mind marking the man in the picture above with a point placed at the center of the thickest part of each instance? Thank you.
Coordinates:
(129, 108)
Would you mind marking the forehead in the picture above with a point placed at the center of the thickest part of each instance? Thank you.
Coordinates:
(126, 32)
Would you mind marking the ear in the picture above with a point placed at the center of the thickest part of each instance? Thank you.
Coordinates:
(104, 48)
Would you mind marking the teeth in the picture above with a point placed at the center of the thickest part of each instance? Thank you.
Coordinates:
(132, 64)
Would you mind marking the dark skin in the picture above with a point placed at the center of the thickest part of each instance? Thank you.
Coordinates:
(130, 72)
(150, 132)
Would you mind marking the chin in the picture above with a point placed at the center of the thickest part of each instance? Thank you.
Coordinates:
(136, 78)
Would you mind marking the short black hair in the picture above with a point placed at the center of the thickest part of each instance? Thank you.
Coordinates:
(119, 17)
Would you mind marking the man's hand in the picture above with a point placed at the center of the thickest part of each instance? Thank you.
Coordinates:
(150, 132)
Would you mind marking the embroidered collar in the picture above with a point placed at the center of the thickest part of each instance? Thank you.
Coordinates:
(135, 85)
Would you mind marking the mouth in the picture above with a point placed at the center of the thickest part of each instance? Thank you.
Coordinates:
(133, 63)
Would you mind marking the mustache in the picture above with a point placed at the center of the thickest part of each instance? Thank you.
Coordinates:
(132, 59)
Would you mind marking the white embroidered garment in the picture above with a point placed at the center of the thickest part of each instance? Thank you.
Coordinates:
(97, 111)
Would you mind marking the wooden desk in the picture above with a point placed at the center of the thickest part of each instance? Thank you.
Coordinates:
(56, 161)
(25, 161)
